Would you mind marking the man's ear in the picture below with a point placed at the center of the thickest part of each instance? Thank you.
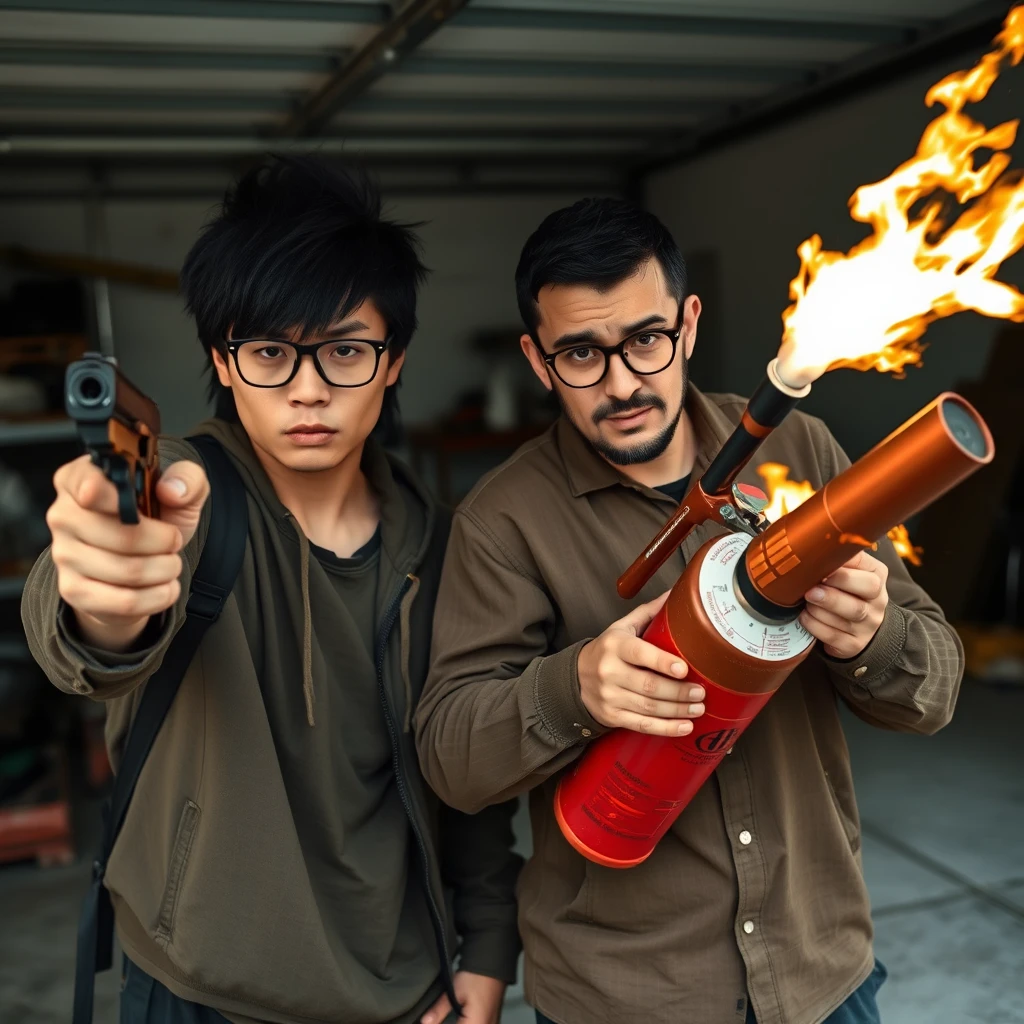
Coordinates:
(394, 368)
(691, 313)
(535, 359)
(220, 365)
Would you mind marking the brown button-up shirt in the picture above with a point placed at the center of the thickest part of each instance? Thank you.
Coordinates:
(757, 889)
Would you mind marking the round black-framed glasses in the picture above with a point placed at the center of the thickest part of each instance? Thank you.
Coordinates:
(644, 353)
(272, 363)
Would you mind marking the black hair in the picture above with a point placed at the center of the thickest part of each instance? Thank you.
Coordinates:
(595, 242)
(300, 242)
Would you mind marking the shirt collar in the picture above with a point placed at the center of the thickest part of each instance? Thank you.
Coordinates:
(588, 472)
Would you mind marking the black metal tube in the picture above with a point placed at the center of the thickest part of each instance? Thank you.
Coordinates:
(767, 408)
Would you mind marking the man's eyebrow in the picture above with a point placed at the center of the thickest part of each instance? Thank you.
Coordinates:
(346, 327)
(588, 337)
(656, 319)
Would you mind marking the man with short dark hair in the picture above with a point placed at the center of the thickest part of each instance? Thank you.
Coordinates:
(281, 859)
(753, 906)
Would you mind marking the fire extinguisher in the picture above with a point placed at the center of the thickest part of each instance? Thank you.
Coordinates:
(733, 614)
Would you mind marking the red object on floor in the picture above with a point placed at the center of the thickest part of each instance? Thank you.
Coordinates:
(42, 832)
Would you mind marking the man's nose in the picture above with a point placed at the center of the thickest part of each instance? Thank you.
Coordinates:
(620, 381)
(307, 386)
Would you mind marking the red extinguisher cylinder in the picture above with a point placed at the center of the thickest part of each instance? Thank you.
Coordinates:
(630, 787)
(626, 791)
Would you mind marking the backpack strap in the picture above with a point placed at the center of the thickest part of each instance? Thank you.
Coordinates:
(212, 582)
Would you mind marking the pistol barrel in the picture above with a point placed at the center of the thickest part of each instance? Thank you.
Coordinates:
(95, 392)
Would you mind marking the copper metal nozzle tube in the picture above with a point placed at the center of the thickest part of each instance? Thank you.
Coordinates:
(931, 453)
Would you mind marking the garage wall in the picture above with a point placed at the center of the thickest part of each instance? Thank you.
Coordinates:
(745, 208)
(470, 243)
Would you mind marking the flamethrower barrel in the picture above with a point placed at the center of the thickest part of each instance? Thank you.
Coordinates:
(931, 453)
(769, 405)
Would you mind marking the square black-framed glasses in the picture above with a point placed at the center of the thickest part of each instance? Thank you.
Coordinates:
(312, 350)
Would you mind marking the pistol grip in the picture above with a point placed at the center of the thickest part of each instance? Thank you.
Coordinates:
(119, 473)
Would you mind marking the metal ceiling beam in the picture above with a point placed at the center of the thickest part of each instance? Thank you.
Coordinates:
(457, 190)
(566, 67)
(974, 27)
(671, 24)
(414, 105)
(186, 60)
(418, 64)
(482, 17)
(415, 21)
(288, 10)
(139, 99)
(521, 146)
(271, 102)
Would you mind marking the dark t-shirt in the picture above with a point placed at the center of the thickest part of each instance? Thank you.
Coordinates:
(677, 489)
(369, 892)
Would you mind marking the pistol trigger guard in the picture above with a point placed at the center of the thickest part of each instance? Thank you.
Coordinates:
(122, 478)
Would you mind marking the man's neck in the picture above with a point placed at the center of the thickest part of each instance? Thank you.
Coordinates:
(675, 462)
(335, 508)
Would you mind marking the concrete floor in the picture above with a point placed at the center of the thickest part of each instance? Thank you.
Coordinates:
(943, 855)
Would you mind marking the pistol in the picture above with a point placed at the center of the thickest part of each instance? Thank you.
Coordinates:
(119, 426)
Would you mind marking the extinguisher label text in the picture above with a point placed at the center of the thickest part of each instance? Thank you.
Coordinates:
(719, 740)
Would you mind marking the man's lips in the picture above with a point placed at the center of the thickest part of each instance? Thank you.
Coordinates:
(310, 433)
(631, 419)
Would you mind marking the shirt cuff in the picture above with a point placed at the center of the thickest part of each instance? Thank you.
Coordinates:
(494, 954)
(97, 667)
(881, 653)
(559, 701)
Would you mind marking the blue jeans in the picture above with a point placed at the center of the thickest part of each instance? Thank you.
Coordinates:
(860, 1008)
(145, 1001)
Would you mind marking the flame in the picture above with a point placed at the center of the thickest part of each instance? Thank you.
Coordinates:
(784, 495)
(869, 308)
(904, 548)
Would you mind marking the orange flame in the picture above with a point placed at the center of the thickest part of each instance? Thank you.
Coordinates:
(904, 548)
(867, 309)
(784, 495)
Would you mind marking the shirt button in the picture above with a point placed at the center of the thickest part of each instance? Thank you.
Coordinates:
(858, 672)
(78, 687)
(748, 927)
(586, 733)
(745, 837)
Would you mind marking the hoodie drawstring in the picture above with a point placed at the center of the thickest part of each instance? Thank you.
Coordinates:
(307, 622)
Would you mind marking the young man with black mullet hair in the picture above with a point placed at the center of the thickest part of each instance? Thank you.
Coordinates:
(281, 859)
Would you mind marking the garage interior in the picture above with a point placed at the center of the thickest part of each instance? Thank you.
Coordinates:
(745, 125)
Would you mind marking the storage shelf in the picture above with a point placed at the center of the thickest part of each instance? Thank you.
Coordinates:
(37, 431)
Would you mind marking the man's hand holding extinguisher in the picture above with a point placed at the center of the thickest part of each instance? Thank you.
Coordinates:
(628, 683)
(845, 611)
